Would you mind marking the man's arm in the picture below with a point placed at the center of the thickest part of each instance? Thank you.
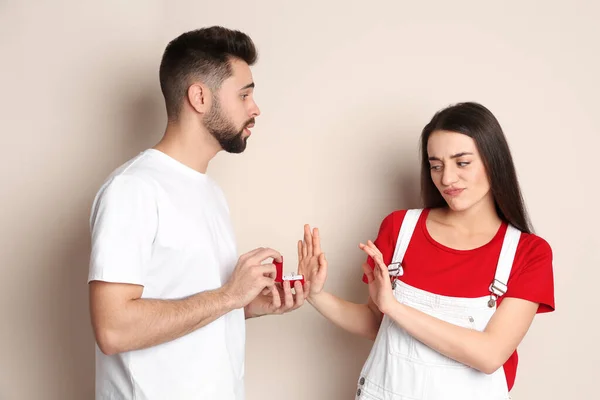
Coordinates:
(123, 321)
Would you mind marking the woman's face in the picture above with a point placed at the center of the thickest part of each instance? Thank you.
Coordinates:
(457, 170)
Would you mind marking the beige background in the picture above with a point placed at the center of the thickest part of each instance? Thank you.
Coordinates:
(345, 88)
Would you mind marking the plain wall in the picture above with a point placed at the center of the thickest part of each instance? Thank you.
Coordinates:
(345, 88)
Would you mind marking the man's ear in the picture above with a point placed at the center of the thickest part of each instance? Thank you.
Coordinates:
(199, 97)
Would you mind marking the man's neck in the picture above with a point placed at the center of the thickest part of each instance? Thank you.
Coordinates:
(190, 145)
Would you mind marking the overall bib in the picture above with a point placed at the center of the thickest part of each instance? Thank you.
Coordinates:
(400, 367)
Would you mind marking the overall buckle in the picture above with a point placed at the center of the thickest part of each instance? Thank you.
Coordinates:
(395, 269)
(498, 288)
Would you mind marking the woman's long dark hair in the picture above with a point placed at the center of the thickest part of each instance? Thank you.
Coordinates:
(477, 122)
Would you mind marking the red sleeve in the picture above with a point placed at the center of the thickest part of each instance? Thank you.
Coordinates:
(534, 279)
(386, 238)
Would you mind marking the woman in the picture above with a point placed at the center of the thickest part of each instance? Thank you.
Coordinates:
(454, 287)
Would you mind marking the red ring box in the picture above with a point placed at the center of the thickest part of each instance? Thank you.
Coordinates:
(292, 278)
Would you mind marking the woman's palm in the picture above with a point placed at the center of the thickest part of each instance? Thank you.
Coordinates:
(311, 260)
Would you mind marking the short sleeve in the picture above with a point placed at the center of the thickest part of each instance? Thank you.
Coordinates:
(534, 280)
(123, 226)
(386, 238)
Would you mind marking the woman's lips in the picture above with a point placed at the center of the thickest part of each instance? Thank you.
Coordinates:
(453, 192)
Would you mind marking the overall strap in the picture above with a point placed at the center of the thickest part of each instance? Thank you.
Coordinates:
(406, 231)
(499, 286)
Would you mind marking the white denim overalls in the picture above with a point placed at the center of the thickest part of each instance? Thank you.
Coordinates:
(400, 367)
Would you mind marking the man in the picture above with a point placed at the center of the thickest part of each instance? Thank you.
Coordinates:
(168, 296)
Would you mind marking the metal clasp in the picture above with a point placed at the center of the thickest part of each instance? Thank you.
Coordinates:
(497, 289)
(395, 269)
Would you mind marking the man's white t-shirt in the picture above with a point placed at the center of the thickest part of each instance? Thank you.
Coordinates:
(158, 223)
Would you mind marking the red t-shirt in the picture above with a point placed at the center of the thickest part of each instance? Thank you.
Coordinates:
(431, 266)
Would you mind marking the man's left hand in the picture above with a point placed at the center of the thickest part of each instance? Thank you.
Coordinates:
(279, 300)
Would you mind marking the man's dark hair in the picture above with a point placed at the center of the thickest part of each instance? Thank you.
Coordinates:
(202, 54)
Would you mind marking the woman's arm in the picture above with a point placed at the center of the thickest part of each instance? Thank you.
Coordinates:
(485, 351)
(359, 319)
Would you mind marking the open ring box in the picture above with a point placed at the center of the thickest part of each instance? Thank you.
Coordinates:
(291, 277)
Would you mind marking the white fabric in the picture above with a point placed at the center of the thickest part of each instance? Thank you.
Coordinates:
(158, 223)
(406, 230)
(507, 255)
(400, 367)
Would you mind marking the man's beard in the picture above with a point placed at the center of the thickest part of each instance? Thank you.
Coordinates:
(224, 131)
